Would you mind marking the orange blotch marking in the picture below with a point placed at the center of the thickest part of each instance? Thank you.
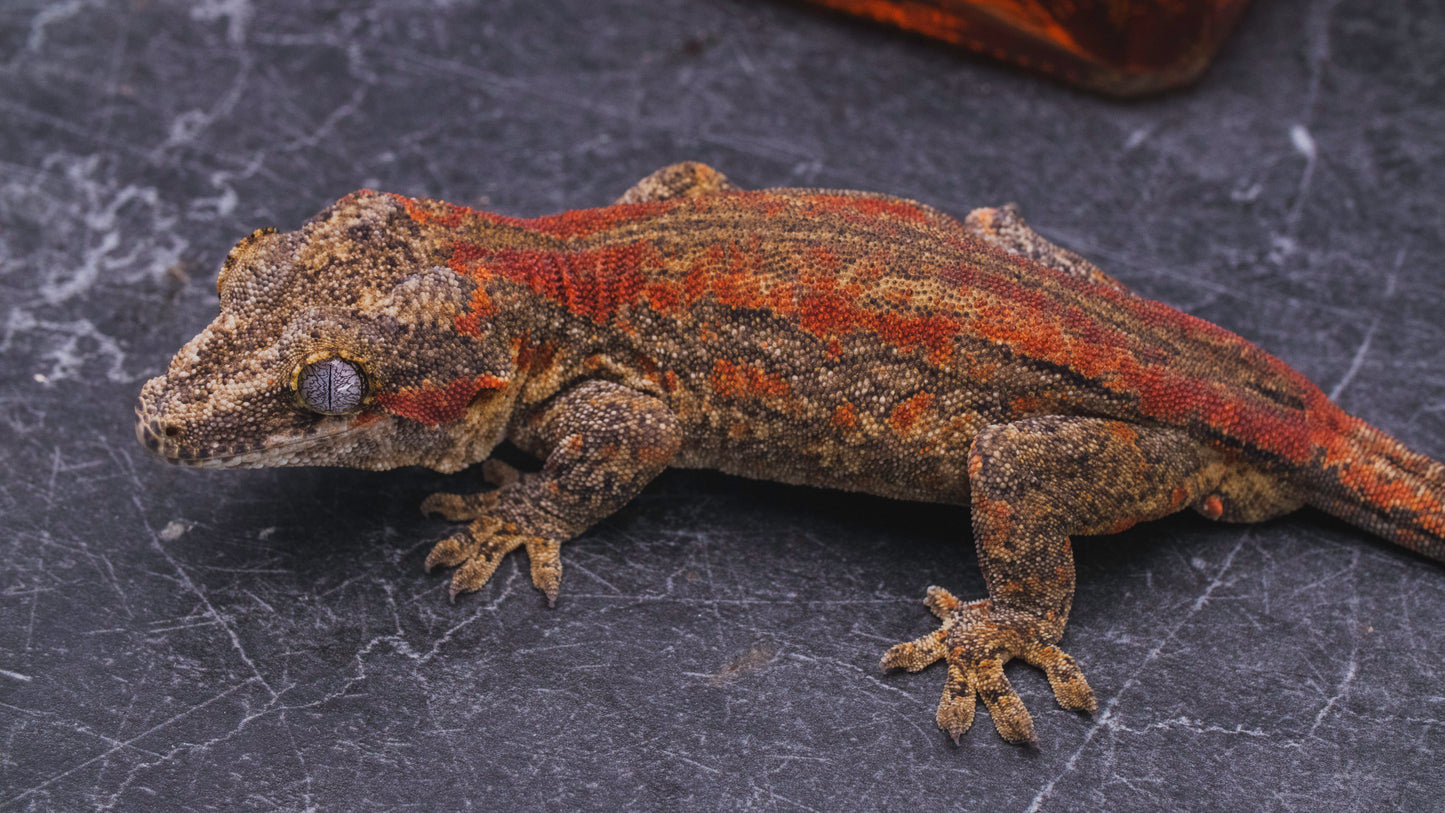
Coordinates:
(782, 299)
(1351, 452)
(434, 406)
(466, 258)
(1380, 488)
(695, 284)
(741, 381)
(997, 519)
(536, 359)
(824, 259)
(364, 419)
(470, 322)
(826, 312)
(661, 296)
(731, 272)
(1212, 507)
(1122, 525)
(907, 413)
(646, 366)
(1122, 431)
(737, 290)
(935, 333)
(845, 417)
(1025, 404)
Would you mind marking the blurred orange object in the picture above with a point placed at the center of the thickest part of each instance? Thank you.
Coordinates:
(1119, 47)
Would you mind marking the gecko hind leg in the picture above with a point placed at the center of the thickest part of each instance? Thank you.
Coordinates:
(1004, 228)
(1034, 483)
(687, 179)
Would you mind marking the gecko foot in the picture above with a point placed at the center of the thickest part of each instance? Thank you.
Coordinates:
(976, 641)
(494, 531)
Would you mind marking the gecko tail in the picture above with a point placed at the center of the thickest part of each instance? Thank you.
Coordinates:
(1371, 480)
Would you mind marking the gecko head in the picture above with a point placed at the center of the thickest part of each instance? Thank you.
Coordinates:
(336, 345)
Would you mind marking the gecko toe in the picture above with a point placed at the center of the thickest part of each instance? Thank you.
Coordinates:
(1070, 688)
(546, 558)
(458, 507)
(917, 654)
(1010, 716)
(956, 708)
(449, 552)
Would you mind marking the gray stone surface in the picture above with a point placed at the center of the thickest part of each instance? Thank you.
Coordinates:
(182, 640)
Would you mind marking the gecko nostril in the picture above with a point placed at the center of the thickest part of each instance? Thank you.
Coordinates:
(172, 431)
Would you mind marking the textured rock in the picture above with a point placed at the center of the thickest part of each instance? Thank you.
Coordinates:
(267, 640)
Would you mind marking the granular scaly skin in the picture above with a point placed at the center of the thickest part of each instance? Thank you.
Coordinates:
(839, 339)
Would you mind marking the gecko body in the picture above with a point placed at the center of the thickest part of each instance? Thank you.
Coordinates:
(839, 339)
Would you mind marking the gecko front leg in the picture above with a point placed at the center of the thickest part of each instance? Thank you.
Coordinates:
(1034, 483)
(602, 443)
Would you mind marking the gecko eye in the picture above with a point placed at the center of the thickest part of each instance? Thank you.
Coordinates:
(331, 386)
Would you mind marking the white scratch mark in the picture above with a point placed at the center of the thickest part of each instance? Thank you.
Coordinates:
(49, 13)
(1300, 136)
(79, 342)
(1355, 362)
(105, 755)
(94, 228)
(1350, 670)
(1304, 144)
(1106, 716)
(238, 15)
(185, 580)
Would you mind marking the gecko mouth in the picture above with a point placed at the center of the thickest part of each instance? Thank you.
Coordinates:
(165, 442)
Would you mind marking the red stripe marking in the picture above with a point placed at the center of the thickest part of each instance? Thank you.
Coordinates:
(434, 406)
(597, 283)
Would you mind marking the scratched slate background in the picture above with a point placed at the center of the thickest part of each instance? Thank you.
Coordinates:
(172, 639)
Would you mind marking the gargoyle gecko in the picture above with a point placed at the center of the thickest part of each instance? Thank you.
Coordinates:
(840, 339)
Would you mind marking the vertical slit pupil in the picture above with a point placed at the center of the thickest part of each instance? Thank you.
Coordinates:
(328, 384)
(332, 386)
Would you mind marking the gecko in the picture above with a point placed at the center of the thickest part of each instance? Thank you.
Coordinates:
(841, 339)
